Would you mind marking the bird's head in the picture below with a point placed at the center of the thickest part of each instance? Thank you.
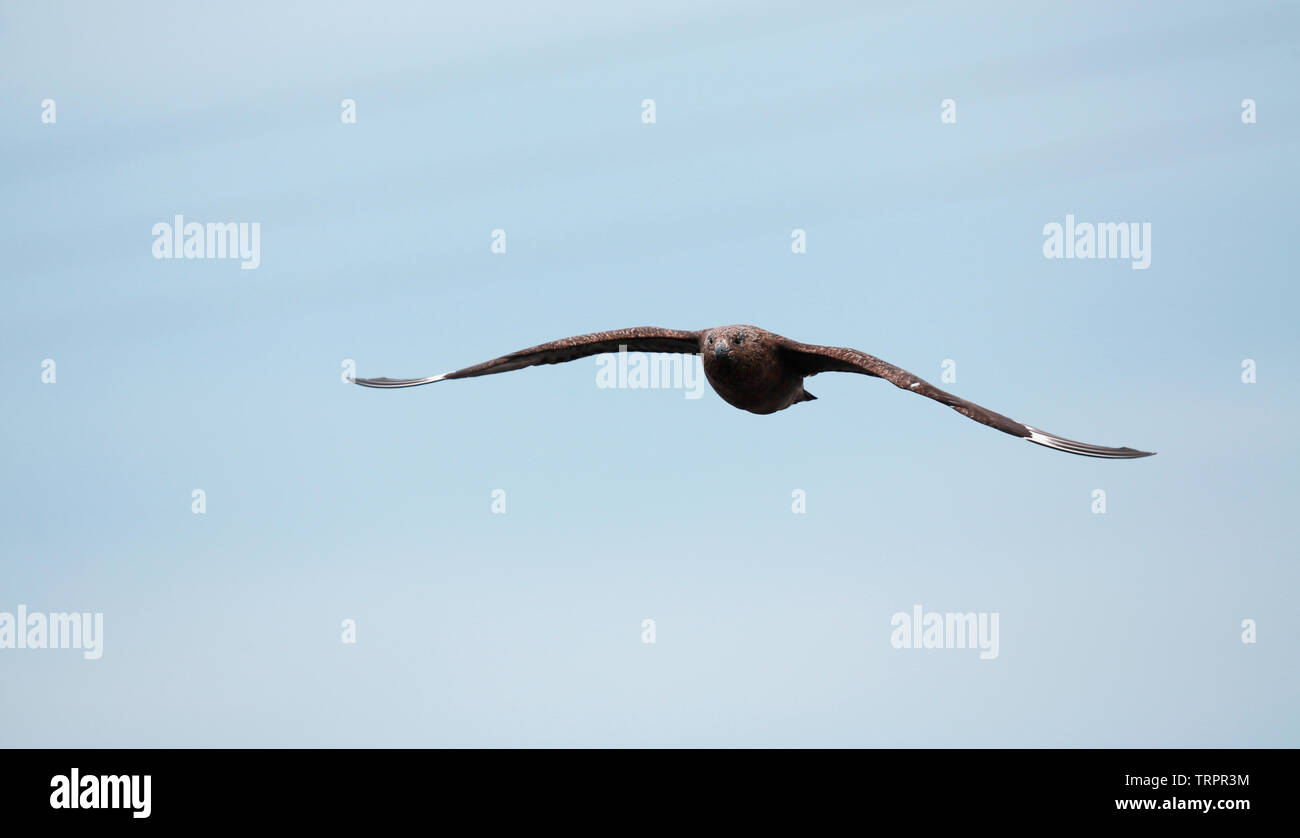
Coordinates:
(732, 344)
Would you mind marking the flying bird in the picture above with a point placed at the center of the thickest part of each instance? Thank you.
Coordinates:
(756, 370)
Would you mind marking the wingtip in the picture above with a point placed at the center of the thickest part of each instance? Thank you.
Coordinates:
(394, 383)
(1083, 449)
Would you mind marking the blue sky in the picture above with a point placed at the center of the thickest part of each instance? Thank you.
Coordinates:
(327, 502)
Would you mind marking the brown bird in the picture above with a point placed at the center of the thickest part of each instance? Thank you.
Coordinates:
(756, 370)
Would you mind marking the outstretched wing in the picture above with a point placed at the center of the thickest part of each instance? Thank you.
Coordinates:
(639, 339)
(811, 360)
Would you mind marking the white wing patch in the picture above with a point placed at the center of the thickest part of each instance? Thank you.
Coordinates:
(1036, 435)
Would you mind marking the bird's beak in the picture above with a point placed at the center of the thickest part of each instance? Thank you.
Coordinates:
(721, 350)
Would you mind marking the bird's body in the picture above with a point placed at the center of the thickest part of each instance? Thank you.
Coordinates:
(756, 370)
(745, 366)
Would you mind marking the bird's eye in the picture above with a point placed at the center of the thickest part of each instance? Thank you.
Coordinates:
(739, 338)
(710, 340)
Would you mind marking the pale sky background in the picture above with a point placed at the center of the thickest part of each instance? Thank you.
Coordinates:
(327, 501)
